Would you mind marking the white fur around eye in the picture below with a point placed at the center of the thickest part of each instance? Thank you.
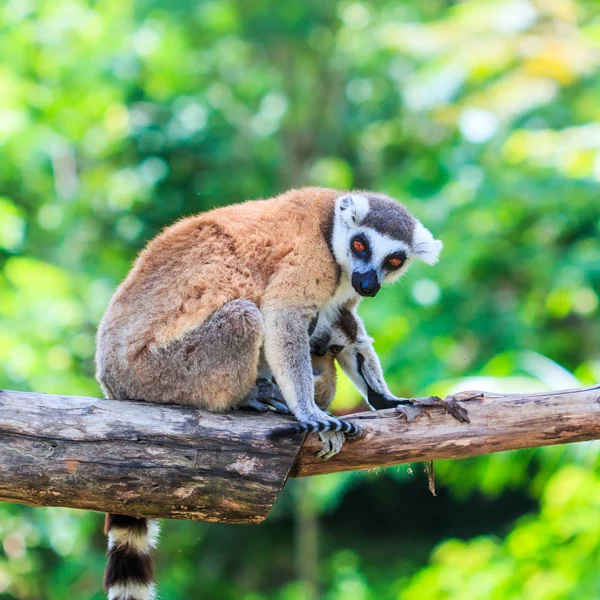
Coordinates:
(350, 210)
(424, 246)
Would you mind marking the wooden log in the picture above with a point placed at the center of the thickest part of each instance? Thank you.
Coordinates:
(179, 462)
(497, 422)
(140, 459)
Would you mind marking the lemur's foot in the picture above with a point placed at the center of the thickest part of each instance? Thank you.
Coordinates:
(332, 444)
(266, 405)
(267, 389)
(412, 410)
(270, 394)
(276, 406)
(254, 404)
(266, 397)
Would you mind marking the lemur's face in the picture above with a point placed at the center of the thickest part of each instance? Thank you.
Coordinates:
(339, 335)
(374, 239)
(332, 341)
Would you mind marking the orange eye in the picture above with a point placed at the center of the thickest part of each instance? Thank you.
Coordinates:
(395, 262)
(358, 246)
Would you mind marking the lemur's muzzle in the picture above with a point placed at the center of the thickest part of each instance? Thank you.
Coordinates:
(318, 349)
(319, 346)
(366, 284)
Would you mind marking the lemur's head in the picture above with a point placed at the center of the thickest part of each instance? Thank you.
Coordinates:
(374, 239)
(341, 333)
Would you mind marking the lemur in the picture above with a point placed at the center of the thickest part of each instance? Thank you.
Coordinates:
(217, 295)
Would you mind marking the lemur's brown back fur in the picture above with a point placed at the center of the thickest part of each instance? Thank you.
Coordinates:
(271, 252)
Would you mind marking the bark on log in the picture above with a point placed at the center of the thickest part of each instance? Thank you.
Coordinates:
(140, 459)
(497, 422)
(177, 462)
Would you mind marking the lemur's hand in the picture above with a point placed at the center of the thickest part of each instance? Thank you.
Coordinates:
(413, 407)
(332, 444)
(394, 401)
(383, 401)
(332, 431)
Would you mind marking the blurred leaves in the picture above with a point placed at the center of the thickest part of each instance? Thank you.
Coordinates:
(117, 118)
(550, 556)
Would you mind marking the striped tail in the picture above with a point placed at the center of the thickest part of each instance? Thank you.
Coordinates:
(129, 573)
(331, 424)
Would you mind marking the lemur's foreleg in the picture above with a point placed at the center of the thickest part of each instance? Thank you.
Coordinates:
(287, 350)
(361, 363)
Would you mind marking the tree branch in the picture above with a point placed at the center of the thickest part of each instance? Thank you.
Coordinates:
(497, 422)
(179, 462)
(140, 459)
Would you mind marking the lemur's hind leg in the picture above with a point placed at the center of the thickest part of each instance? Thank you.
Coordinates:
(219, 359)
(212, 366)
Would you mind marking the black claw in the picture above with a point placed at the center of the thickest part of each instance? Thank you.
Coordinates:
(280, 407)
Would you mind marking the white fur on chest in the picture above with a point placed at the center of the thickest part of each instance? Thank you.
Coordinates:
(329, 311)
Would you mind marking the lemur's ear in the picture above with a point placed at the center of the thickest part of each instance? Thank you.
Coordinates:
(424, 246)
(352, 209)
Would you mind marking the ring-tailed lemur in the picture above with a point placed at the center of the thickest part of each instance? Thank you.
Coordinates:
(214, 292)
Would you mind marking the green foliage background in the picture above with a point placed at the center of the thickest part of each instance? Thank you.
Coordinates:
(118, 117)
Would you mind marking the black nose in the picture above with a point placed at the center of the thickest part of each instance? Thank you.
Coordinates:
(319, 350)
(366, 284)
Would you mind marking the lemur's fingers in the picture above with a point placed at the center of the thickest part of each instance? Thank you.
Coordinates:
(278, 407)
(270, 394)
(266, 405)
(267, 390)
(449, 404)
(395, 401)
(258, 405)
(318, 426)
(402, 401)
(332, 444)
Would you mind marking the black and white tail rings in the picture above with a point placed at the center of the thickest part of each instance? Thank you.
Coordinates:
(317, 426)
(130, 573)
